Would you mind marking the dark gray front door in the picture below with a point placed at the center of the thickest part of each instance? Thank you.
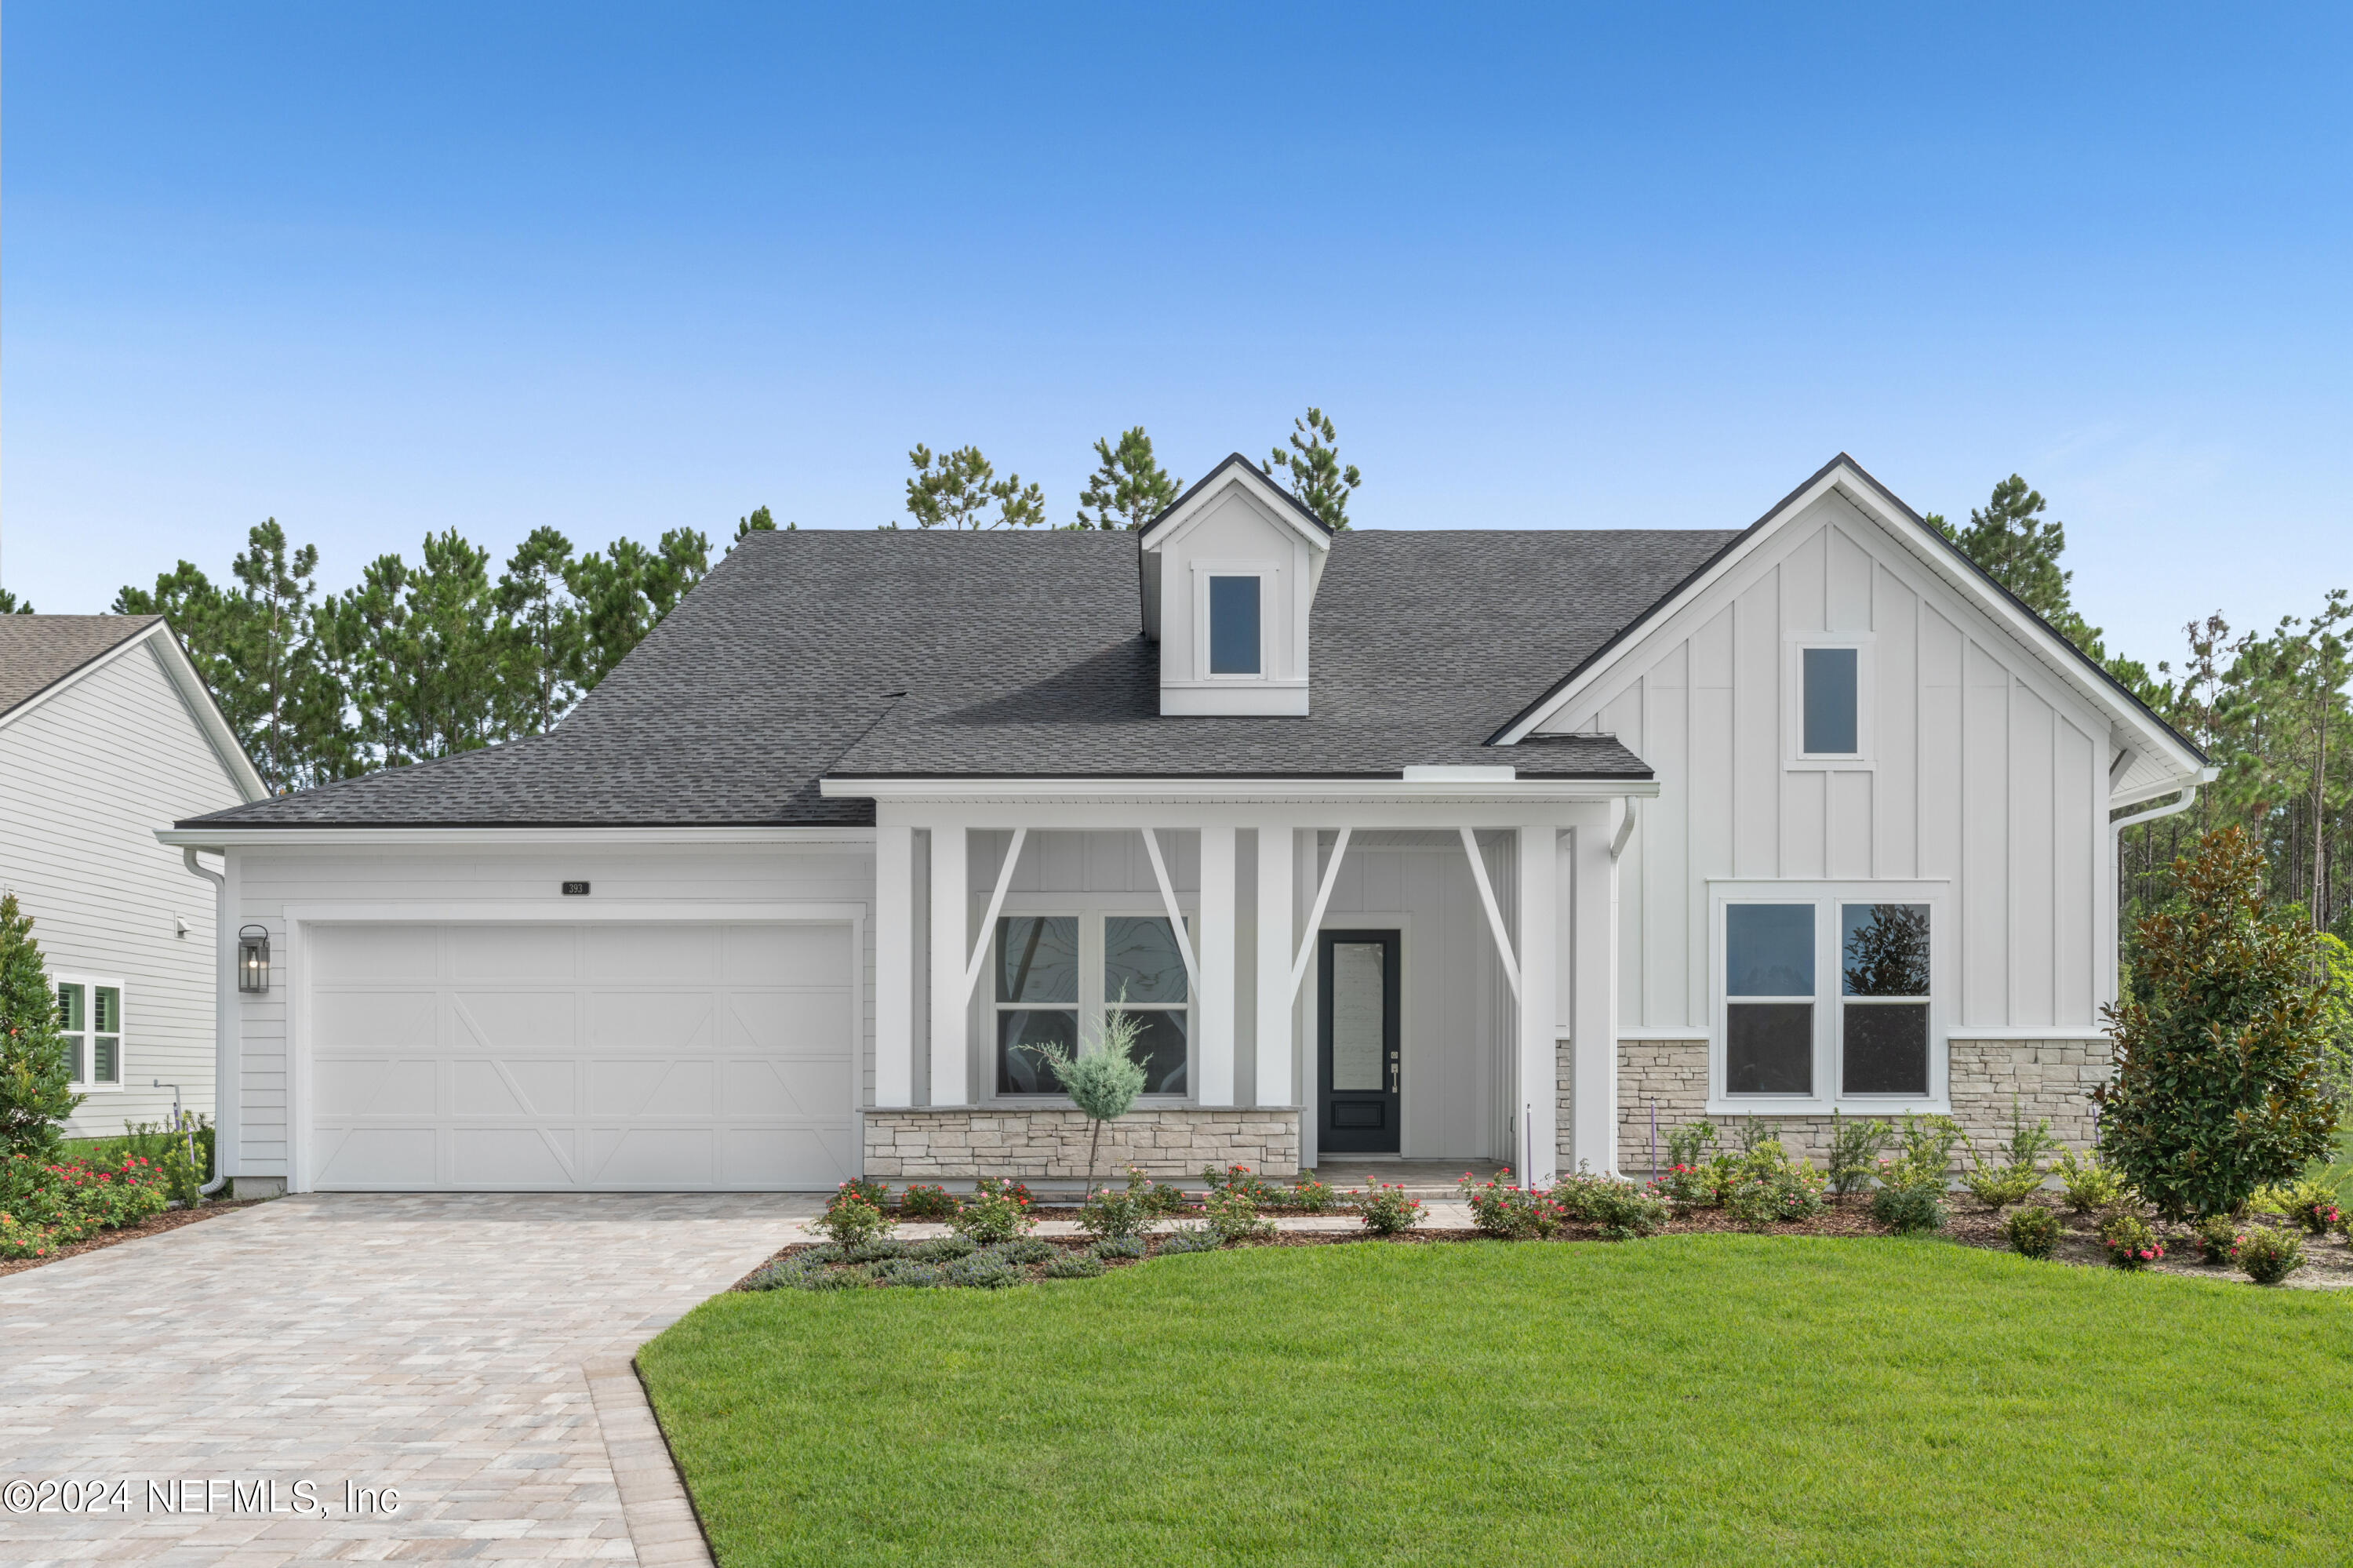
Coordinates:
(1358, 1045)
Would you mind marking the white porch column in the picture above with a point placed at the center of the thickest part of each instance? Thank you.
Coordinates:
(894, 963)
(1593, 1018)
(1276, 874)
(1539, 898)
(951, 952)
(1213, 1049)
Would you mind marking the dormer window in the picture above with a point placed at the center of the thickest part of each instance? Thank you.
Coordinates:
(1234, 645)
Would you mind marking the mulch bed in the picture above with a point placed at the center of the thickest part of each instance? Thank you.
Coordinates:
(154, 1225)
(2329, 1259)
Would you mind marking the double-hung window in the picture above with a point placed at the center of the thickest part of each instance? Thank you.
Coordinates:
(1056, 977)
(1828, 992)
(89, 1018)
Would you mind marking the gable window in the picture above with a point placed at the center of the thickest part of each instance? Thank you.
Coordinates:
(1828, 992)
(90, 1016)
(1831, 702)
(1234, 645)
(1057, 975)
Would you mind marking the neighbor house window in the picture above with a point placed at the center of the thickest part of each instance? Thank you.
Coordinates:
(1831, 704)
(1036, 998)
(1234, 626)
(1768, 991)
(89, 1017)
(1057, 975)
(1883, 999)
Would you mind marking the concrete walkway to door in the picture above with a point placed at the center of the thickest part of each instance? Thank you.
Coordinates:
(431, 1344)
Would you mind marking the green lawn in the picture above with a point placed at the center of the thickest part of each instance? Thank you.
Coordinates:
(1693, 1399)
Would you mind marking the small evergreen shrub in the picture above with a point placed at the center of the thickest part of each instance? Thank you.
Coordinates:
(2090, 1185)
(2033, 1232)
(1118, 1247)
(1515, 1214)
(1771, 1189)
(1025, 1249)
(1113, 1212)
(927, 1203)
(2218, 1240)
(832, 1280)
(1689, 1144)
(824, 1251)
(996, 1213)
(2014, 1176)
(907, 1271)
(1074, 1266)
(2269, 1255)
(1386, 1210)
(1624, 1212)
(2130, 1243)
(1855, 1148)
(849, 1220)
(986, 1270)
(1909, 1211)
(876, 1249)
(1233, 1215)
(943, 1250)
(1192, 1238)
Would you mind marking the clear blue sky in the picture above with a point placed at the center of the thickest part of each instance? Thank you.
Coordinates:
(377, 270)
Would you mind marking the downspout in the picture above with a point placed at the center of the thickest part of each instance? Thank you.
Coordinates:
(2116, 825)
(223, 1021)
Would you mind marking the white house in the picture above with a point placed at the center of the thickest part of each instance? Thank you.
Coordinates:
(1419, 845)
(105, 731)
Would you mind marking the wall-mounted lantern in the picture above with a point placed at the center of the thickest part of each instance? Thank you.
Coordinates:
(253, 958)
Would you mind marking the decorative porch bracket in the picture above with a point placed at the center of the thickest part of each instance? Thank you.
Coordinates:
(1494, 912)
(1175, 915)
(996, 908)
(1315, 915)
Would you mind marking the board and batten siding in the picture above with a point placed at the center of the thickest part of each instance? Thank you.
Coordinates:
(1983, 770)
(265, 882)
(86, 778)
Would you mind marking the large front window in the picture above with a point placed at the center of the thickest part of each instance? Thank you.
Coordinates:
(1056, 977)
(1829, 996)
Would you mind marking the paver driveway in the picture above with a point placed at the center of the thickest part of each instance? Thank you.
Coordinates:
(433, 1344)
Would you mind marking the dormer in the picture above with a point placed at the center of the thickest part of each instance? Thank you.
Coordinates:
(1230, 573)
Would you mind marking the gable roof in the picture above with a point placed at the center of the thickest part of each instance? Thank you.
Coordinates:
(37, 652)
(1296, 511)
(818, 653)
(2082, 671)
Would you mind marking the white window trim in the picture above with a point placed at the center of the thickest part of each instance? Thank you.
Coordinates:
(1091, 1002)
(1794, 756)
(1269, 609)
(90, 985)
(1828, 951)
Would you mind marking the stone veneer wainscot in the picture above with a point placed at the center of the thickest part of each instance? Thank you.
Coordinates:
(1047, 1144)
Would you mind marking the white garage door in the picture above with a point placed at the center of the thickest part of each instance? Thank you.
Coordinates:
(666, 1057)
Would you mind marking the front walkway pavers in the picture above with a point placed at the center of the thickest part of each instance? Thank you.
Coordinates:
(434, 1344)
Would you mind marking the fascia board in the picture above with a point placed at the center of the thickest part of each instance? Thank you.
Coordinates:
(208, 716)
(1174, 524)
(246, 836)
(1204, 791)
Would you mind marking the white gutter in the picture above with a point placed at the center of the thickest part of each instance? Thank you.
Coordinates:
(224, 1020)
(249, 836)
(2117, 825)
(1210, 789)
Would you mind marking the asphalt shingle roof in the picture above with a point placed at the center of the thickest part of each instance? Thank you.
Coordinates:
(860, 654)
(37, 651)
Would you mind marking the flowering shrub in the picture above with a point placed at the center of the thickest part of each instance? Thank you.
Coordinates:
(1233, 1215)
(2090, 1185)
(927, 1203)
(2269, 1255)
(1688, 1187)
(45, 1205)
(2313, 1207)
(1766, 1187)
(1624, 1210)
(1386, 1210)
(852, 1222)
(2130, 1243)
(1310, 1195)
(1261, 1192)
(867, 1190)
(997, 1212)
(1158, 1197)
(1004, 1187)
(1500, 1209)
(2218, 1240)
(1113, 1212)
(2034, 1233)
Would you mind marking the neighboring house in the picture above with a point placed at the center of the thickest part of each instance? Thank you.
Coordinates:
(107, 732)
(1476, 845)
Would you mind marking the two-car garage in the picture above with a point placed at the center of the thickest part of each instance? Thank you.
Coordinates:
(663, 1055)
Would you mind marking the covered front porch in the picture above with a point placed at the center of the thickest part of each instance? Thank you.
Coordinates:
(1416, 972)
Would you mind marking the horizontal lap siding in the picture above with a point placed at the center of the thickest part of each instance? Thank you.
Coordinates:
(1985, 772)
(85, 781)
(268, 880)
